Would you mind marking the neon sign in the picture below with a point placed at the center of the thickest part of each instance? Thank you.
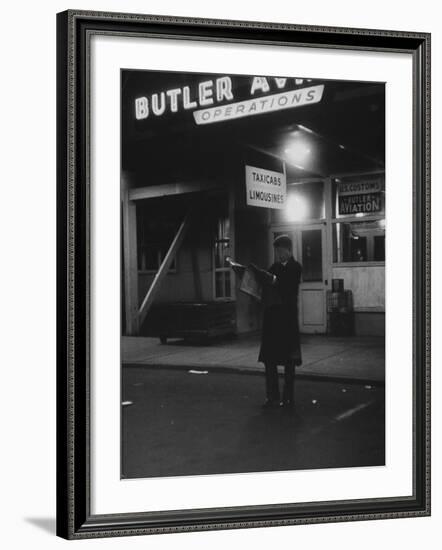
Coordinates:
(209, 100)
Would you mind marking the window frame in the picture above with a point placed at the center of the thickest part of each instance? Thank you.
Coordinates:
(171, 270)
(225, 269)
(352, 219)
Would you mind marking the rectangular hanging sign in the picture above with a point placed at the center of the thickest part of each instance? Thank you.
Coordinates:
(265, 188)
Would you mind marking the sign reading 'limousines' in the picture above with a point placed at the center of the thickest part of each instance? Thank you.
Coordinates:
(224, 98)
(265, 188)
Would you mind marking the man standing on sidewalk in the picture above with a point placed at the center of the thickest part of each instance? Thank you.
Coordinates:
(280, 342)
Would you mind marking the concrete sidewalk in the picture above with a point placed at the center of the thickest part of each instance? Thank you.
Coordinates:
(352, 359)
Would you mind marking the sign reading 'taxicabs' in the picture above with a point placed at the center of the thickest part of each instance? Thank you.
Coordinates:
(265, 188)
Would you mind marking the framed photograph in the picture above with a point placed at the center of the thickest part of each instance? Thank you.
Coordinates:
(243, 274)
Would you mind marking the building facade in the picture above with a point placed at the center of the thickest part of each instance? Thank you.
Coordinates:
(203, 180)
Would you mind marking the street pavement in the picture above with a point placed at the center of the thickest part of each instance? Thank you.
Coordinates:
(324, 357)
(175, 422)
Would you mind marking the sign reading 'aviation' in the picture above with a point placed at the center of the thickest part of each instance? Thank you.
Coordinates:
(257, 106)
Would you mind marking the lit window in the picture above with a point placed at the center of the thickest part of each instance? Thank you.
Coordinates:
(359, 241)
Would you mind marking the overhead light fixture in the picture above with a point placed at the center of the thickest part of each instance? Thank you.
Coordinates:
(305, 129)
(298, 151)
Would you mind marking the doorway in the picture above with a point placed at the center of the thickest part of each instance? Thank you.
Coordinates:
(309, 250)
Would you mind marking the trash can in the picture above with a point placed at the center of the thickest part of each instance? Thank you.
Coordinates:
(340, 314)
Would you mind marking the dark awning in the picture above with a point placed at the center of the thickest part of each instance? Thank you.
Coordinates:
(344, 132)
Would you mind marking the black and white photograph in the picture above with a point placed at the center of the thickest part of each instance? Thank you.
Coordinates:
(253, 230)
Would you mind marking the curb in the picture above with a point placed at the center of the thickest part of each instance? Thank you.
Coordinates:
(255, 371)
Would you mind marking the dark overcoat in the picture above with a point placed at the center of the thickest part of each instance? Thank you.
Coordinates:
(280, 342)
